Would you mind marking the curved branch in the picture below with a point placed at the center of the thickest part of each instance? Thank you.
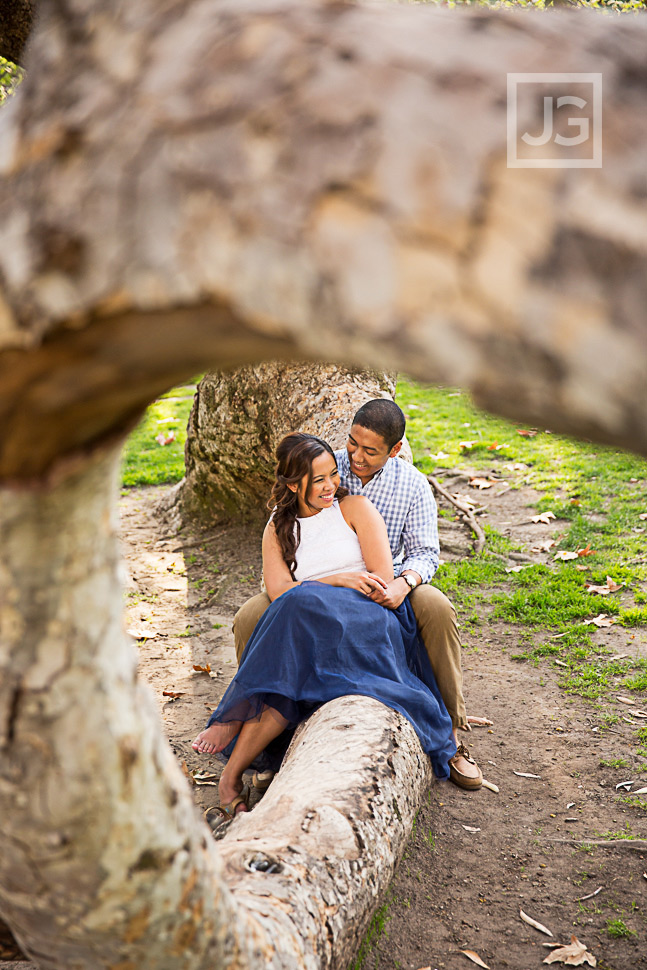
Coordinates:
(465, 511)
(333, 178)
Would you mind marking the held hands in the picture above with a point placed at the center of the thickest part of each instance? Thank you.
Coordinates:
(368, 583)
(393, 593)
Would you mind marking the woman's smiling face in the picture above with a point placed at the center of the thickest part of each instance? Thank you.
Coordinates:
(324, 484)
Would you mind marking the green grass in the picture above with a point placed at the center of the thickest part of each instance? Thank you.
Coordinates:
(617, 929)
(145, 461)
(614, 763)
(376, 929)
(10, 77)
(589, 489)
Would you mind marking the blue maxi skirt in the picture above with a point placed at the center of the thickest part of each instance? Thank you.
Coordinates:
(317, 642)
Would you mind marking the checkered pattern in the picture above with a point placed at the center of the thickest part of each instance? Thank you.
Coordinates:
(403, 497)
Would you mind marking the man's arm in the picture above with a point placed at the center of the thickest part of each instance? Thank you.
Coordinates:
(421, 548)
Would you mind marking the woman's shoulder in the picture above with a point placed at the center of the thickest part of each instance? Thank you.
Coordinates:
(356, 505)
(353, 502)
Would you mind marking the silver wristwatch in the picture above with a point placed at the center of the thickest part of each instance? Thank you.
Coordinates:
(409, 579)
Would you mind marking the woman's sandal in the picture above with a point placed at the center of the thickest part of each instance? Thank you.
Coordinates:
(261, 780)
(218, 815)
(458, 777)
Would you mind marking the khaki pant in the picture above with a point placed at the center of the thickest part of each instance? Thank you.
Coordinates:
(436, 618)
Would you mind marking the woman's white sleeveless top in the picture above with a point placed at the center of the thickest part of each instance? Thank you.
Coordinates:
(328, 545)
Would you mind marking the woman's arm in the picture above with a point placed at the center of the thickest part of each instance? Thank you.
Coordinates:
(365, 520)
(275, 571)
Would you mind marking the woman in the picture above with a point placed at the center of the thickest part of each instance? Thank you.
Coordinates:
(325, 553)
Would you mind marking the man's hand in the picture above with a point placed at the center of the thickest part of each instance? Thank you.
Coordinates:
(394, 594)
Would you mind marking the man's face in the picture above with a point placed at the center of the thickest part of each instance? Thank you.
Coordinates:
(368, 452)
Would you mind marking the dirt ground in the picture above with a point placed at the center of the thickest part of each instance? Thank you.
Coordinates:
(456, 888)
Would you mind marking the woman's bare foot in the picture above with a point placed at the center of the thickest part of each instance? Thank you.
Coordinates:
(213, 739)
(229, 789)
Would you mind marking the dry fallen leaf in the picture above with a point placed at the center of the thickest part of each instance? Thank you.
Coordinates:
(142, 633)
(525, 774)
(643, 516)
(625, 700)
(479, 721)
(639, 791)
(495, 446)
(533, 922)
(544, 517)
(609, 587)
(470, 828)
(565, 556)
(466, 444)
(203, 670)
(475, 958)
(586, 551)
(519, 569)
(526, 434)
(481, 483)
(439, 456)
(574, 955)
(601, 620)
(165, 439)
(464, 500)
(174, 694)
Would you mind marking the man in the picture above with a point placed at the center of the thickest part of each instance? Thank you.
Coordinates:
(369, 466)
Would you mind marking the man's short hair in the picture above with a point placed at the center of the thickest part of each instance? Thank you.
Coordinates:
(384, 417)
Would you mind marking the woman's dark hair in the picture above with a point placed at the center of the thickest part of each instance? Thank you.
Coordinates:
(384, 417)
(294, 456)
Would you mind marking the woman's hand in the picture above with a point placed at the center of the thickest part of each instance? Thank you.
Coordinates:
(366, 583)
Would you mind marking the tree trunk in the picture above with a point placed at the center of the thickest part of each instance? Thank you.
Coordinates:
(238, 419)
(103, 862)
(16, 21)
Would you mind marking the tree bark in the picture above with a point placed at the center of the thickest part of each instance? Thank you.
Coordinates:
(318, 181)
(16, 22)
(238, 419)
(103, 861)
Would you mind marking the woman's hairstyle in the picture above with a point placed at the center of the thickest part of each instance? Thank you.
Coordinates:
(294, 456)
(384, 417)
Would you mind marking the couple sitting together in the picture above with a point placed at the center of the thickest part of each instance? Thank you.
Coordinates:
(348, 556)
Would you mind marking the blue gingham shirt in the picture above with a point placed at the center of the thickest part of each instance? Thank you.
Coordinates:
(403, 497)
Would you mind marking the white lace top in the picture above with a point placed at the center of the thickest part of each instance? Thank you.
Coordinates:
(328, 545)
